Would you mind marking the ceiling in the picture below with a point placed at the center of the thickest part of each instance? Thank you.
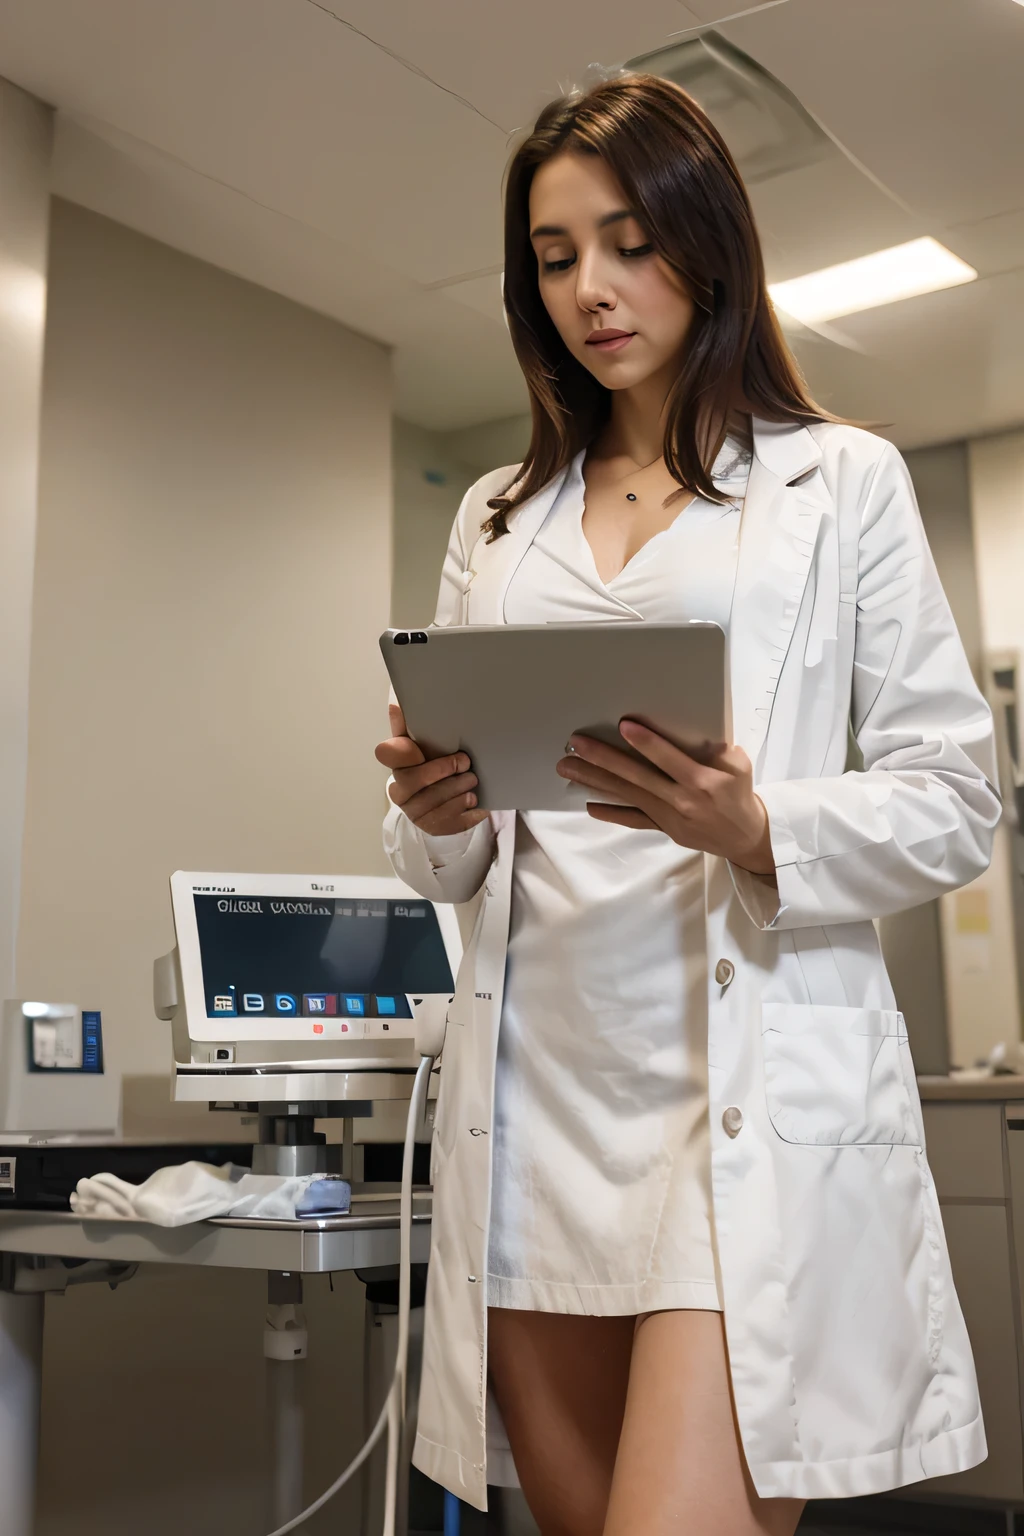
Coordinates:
(349, 155)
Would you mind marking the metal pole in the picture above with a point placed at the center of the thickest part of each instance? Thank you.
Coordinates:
(285, 1346)
(21, 1366)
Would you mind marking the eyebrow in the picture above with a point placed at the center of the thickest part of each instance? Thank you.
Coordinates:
(559, 229)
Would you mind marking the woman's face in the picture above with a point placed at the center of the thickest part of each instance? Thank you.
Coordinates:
(598, 275)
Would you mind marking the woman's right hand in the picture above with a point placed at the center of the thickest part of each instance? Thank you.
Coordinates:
(437, 794)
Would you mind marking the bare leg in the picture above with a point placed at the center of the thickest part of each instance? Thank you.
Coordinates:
(560, 1382)
(680, 1466)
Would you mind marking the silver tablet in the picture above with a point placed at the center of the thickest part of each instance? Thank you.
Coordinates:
(511, 696)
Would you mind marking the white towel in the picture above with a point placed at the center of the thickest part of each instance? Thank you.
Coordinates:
(173, 1197)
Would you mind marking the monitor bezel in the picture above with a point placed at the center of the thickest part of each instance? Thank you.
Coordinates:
(186, 884)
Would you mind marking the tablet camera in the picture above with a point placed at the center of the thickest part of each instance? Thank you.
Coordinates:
(402, 639)
(418, 637)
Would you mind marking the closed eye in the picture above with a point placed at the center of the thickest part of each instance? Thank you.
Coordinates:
(566, 263)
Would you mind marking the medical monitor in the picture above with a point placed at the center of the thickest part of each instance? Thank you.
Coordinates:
(316, 959)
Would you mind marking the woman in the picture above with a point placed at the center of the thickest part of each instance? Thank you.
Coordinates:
(684, 1225)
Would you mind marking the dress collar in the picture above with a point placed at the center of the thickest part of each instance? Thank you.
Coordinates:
(729, 472)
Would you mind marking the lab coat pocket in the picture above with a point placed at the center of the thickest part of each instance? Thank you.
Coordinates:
(837, 1076)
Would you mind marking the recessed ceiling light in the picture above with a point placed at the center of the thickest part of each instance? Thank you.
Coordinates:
(921, 266)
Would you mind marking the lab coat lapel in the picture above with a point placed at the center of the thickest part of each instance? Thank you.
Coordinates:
(492, 566)
(778, 530)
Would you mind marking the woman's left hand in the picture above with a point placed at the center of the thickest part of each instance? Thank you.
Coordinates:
(711, 807)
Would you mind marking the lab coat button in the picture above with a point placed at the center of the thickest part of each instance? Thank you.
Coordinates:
(724, 972)
(732, 1120)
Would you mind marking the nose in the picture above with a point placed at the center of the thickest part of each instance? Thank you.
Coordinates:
(593, 289)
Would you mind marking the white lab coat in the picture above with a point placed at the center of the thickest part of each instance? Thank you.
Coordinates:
(850, 1363)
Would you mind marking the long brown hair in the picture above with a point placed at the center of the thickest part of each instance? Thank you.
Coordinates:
(677, 172)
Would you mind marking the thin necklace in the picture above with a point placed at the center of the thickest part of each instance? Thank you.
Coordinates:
(631, 495)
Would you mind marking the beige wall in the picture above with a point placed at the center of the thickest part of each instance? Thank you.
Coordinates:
(432, 471)
(997, 506)
(430, 481)
(997, 483)
(213, 569)
(492, 444)
(25, 137)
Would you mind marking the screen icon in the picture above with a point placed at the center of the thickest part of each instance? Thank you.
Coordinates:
(386, 1006)
(284, 1002)
(354, 1004)
(252, 1002)
(225, 1002)
(318, 1004)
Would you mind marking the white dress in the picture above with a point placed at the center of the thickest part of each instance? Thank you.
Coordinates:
(601, 1197)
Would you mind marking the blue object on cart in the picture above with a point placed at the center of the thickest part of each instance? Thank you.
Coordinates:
(326, 1195)
(452, 1514)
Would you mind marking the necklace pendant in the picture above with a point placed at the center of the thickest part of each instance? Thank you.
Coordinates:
(630, 496)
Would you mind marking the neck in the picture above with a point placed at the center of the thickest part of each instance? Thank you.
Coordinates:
(636, 424)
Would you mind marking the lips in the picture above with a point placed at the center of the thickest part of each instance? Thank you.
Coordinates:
(610, 341)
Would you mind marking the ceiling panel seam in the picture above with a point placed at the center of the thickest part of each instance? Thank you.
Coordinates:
(463, 277)
(87, 120)
(408, 64)
(721, 21)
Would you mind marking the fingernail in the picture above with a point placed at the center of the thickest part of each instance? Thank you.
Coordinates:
(569, 746)
(471, 799)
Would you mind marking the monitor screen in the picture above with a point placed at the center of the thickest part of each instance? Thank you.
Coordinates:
(315, 957)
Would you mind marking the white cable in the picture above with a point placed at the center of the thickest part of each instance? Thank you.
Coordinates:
(392, 1415)
(391, 1469)
(349, 1472)
(417, 1105)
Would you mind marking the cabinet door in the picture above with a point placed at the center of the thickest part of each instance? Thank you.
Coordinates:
(980, 1253)
(964, 1146)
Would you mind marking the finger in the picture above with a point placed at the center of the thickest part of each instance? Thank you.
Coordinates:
(622, 815)
(733, 761)
(460, 787)
(443, 824)
(410, 780)
(610, 785)
(398, 752)
(597, 755)
(397, 718)
(679, 765)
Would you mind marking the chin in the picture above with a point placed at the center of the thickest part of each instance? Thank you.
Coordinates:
(613, 378)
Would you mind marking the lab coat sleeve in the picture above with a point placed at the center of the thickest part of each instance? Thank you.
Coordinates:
(919, 819)
(453, 868)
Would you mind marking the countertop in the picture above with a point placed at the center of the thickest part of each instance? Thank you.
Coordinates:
(1004, 1086)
